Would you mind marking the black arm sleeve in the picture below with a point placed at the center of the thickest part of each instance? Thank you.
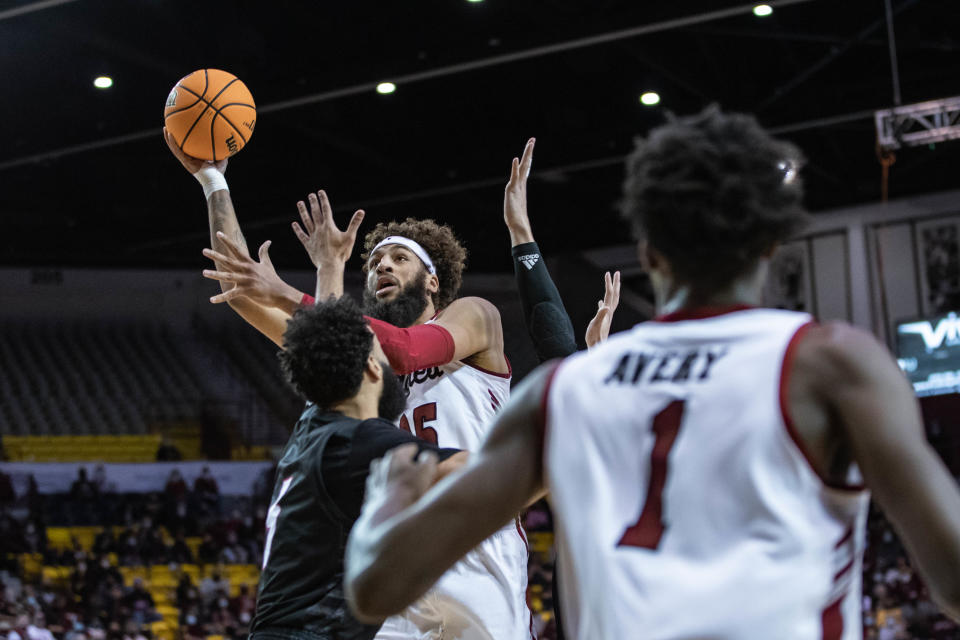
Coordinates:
(547, 320)
(372, 440)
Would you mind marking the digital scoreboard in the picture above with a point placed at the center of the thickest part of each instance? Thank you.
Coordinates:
(928, 351)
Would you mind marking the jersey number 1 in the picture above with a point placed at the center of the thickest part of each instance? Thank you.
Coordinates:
(648, 530)
(423, 413)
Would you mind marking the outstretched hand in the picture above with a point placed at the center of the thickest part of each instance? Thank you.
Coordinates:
(190, 163)
(324, 242)
(255, 280)
(599, 327)
(515, 197)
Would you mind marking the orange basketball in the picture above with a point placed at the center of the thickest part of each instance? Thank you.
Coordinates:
(210, 114)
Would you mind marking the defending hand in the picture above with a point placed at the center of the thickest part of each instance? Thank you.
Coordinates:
(599, 327)
(324, 242)
(515, 197)
(257, 281)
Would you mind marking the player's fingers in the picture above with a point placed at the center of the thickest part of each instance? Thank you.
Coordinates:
(400, 458)
(355, 222)
(264, 252)
(616, 291)
(227, 296)
(527, 160)
(426, 469)
(305, 217)
(216, 256)
(316, 216)
(222, 276)
(301, 234)
(514, 171)
(231, 246)
(325, 209)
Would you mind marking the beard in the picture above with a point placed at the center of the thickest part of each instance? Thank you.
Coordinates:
(403, 310)
(393, 397)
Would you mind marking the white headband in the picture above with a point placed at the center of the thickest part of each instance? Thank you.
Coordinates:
(409, 244)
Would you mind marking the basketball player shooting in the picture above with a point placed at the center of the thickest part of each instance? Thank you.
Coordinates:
(708, 470)
(449, 350)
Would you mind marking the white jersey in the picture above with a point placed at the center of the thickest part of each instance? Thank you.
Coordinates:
(482, 597)
(684, 506)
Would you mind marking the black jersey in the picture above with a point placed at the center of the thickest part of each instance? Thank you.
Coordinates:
(317, 496)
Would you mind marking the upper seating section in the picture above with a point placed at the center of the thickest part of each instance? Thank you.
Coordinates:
(92, 379)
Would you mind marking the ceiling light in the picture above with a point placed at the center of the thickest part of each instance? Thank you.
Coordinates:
(762, 10)
(103, 82)
(386, 87)
(474, 0)
(650, 98)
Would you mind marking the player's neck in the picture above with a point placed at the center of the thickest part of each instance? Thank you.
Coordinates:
(360, 407)
(672, 296)
(428, 313)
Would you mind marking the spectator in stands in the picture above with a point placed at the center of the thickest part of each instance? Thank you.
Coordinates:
(206, 491)
(243, 605)
(187, 595)
(179, 551)
(100, 479)
(176, 487)
(11, 533)
(176, 501)
(213, 587)
(128, 547)
(167, 452)
(233, 552)
(7, 494)
(105, 542)
(139, 603)
(37, 629)
(209, 551)
(83, 497)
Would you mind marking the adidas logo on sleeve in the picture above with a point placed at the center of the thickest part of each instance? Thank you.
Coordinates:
(529, 260)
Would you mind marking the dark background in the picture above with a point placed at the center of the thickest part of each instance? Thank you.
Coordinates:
(438, 147)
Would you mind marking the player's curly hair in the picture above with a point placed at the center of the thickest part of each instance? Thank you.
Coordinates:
(438, 240)
(713, 192)
(326, 347)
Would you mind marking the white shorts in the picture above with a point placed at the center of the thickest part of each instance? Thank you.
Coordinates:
(482, 597)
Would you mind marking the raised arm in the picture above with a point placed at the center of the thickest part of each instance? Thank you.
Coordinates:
(547, 320)
(328, 247)
(855, 379)
(226, 239)
(382, 577)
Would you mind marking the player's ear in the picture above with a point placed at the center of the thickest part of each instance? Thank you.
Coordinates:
(433, 283)
(653, 260)
(373, 369)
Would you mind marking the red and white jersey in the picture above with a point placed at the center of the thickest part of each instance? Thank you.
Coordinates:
(684, 505)
(453, 405)
(483, 596)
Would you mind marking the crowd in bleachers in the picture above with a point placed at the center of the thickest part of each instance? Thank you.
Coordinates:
(129, 562)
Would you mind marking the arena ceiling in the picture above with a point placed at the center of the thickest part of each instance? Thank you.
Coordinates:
(85, 179)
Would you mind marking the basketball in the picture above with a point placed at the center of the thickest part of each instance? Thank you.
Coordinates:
(210, 114)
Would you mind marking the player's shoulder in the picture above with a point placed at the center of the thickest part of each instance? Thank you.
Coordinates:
(376, 425)
(471, 304)
(838, 352)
